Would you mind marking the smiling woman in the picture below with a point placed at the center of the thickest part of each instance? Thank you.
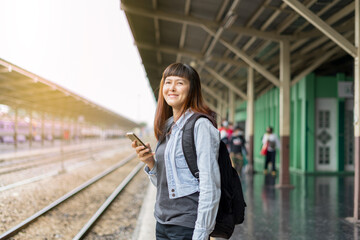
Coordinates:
(193, 99)
(175, 92)
(185, 206)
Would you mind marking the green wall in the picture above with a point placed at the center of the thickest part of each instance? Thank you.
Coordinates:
(240, 112)
(302, 119)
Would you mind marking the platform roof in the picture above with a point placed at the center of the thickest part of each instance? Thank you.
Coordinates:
(222, 38)
(21, 88)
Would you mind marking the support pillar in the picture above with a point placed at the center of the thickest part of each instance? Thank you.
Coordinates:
(76, 135)
(42, 128)
(52, 129)
(224, 108)
(30, 128)
(250, 118)
(62, 144)
(357, 114)
(231, 106)
(218, 111)
(16, 129)
(284, 105)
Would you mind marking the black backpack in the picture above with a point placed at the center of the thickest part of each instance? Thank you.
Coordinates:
(232, 205)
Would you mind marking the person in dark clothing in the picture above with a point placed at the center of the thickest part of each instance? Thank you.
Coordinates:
(237, 146)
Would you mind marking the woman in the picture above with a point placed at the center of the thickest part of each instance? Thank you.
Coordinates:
(185, 207)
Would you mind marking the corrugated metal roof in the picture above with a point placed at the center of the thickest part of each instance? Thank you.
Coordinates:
(167, 31)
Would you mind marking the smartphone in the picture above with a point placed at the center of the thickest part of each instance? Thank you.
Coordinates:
(133, 137)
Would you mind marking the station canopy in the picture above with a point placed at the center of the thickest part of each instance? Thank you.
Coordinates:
(221, 39)
(21, 88)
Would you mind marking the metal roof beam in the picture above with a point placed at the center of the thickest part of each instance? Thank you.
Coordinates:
(183, 30)
(299, 59)
(229, 20)
(266, 25)
(292, 17)
(262, 28)
(251, 62)
(226, 82)
(200, 22)
(157, 32)
(334, 18)
(258, 12)
(211, 92)
(209, 37)
(314, 65)
(305, 36)
(194, 55)
(239, 36)
(322, 26)
(345, 26)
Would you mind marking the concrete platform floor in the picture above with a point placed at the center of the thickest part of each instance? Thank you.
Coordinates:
(316, 208)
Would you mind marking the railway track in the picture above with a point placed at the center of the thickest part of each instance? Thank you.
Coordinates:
(50, 165)
(107, 177)
(20, 164)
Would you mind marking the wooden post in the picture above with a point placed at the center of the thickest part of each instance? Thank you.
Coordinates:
(62, 139)
(42, 128)
(30, 129)
(218, 113)
(250, 118)
(16, 129)
(357, 114)
(52, 129)
(231, 106)
(284, 104)
(223, 107)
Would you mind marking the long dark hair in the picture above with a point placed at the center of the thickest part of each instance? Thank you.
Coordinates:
(194, 100)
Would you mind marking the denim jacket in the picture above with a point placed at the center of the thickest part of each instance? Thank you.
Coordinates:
(179, 177)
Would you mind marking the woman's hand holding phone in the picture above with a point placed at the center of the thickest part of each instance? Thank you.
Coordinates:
(143, 150)
(144, 154)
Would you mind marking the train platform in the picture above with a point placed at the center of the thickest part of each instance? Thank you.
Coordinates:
(318, 207)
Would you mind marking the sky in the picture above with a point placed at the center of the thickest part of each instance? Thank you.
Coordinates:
(85, 46)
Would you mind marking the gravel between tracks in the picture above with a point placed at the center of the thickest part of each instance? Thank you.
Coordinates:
(20, 203)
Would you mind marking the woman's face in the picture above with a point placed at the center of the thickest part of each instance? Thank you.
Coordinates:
(175, 91)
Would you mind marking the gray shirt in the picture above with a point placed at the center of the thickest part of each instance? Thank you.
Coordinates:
(179, 211)
(181, 183)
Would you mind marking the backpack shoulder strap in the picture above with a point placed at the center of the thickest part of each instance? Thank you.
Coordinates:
(188, 143)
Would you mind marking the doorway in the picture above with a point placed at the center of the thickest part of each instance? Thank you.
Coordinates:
(326, 122)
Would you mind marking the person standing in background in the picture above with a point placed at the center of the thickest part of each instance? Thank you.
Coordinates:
(237, 143)
(230, 130)
(273, 143)
(224, 135)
